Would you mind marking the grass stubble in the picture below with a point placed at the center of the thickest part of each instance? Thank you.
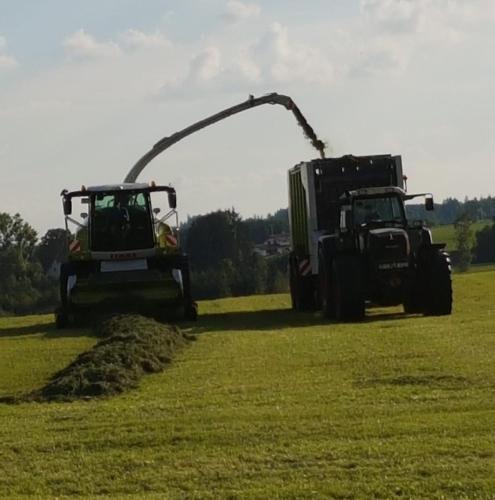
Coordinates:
(268, 404)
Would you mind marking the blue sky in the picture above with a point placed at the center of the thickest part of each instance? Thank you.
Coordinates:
(87, 87)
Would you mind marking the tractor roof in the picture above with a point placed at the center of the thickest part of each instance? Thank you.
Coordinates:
(375, 191)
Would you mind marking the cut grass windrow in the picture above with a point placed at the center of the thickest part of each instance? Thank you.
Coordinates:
(132, 346)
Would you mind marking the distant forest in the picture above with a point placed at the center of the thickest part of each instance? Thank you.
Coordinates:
(258, 229)
(221, 250)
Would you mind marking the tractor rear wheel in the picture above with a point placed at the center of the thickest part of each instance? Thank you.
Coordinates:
(437, 282)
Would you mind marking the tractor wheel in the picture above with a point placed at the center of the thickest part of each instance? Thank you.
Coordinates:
(325, 295)
(437, 284)
(413, 301)
(347, 288)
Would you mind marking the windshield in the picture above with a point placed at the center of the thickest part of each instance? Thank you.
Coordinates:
(121, 221)
(378, 209)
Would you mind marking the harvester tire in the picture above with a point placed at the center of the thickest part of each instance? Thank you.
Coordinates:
(437, 282)
(347, 288)
(191, 312)
(61, 319)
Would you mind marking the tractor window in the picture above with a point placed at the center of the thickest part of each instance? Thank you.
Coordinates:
(121, 221)
(378, 209)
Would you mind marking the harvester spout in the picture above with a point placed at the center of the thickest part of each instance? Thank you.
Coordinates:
(252, 102)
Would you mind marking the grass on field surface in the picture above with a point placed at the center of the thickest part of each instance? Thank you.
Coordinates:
(446, 233)
(131, 347)
(268, 403)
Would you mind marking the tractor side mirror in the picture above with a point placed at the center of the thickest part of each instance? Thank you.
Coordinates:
(172, 199)
(67, 202)
(429, 204)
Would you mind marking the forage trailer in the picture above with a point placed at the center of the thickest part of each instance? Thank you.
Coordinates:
(352, 244)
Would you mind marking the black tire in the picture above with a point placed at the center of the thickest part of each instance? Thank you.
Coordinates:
(302, 290)
(348, 288)
(325, 278)
(190, 307)
(191, 312)
(413, 303)
(437, 282)
(61, 319)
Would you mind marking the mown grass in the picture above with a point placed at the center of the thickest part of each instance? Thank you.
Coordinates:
(269, 403)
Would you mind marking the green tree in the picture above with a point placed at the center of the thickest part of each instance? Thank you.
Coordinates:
(23, 285)
(15, 233)
(464, 239)
(52, 247)
(484, 250)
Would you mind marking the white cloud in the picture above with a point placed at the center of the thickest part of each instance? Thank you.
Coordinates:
(6, 61)
(135, 39)
(280, 60)
(237, 11)
(82, 45)
(271, 60)
(395, 16)
(206, 65)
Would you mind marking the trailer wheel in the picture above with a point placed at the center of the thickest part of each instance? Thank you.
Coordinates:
(302, 290)
(347, 288)
(437, 284)
(325, 295)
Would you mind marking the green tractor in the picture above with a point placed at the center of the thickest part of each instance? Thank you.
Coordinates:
(123, 256)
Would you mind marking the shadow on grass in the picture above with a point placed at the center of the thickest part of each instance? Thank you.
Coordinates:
(47, 330)
(274, 319)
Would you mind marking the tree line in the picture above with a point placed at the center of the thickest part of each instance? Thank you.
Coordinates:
(221, 251)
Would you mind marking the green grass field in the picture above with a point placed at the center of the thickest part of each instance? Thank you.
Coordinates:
(268, 403)
(446, 233)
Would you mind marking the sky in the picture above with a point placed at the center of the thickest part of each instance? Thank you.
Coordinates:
(87, 87)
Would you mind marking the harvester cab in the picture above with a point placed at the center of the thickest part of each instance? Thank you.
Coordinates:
(122, 255)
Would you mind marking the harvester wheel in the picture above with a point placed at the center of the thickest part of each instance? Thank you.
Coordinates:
(347, 288)
(437, 284)
(191, 312)
(61, 319)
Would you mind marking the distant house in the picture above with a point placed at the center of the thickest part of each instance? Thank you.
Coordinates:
(276, 244)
